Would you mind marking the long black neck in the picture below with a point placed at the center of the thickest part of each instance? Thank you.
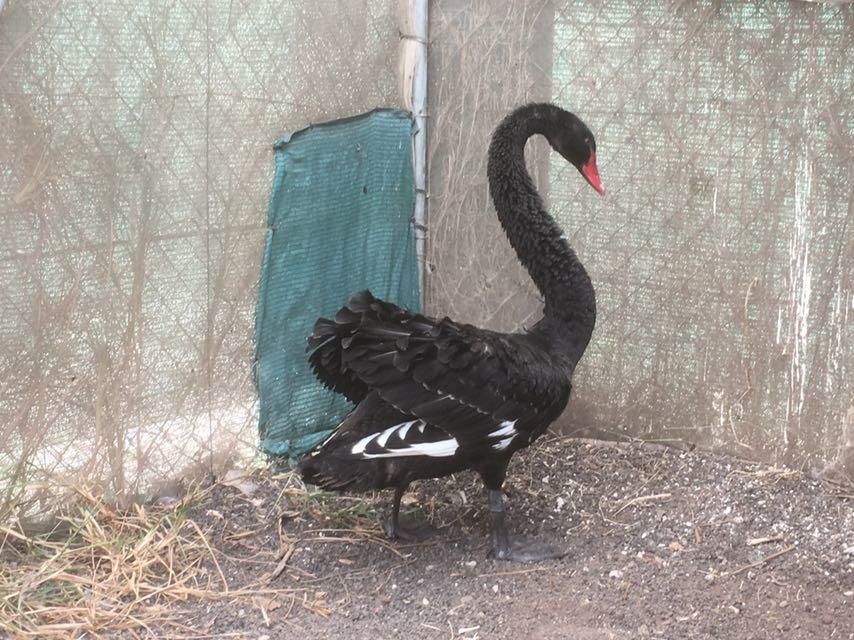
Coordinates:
(570, 301)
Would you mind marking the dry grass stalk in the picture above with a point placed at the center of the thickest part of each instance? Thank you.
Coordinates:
(752, 542)
(771, 474)
(115, 571)
(642, 500)
(759, 563)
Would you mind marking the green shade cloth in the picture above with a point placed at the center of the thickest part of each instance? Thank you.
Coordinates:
(340, 221)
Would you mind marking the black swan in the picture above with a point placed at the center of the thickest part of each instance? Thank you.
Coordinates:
(434, 397)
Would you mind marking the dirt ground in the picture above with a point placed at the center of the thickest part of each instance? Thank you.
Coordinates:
(661, 544)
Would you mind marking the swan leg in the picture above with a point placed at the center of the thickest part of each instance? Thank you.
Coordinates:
(396, 531)
(515, 550)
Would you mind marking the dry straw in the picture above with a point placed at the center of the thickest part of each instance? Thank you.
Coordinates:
(103, 572)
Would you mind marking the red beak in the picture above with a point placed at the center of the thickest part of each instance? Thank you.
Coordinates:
(591, 174)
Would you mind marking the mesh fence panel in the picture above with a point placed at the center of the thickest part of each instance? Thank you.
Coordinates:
(485, 58)
(135, 171)
(136, 163)
(341, 221)
(722, 254)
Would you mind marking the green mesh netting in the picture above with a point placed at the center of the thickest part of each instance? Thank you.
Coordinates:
(340, 221)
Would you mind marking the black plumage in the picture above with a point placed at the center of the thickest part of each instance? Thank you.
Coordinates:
(433, 396)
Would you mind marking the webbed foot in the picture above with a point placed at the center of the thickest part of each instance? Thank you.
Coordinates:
(515, 549)
(414, 532)
(521, 550)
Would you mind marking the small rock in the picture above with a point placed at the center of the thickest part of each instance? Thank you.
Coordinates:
(425, 602)
(615, 573)
(241, 481)
(471, 563)
(495, 588)
(848, 594)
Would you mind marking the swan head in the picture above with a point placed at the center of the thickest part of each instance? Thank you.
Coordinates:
(571, 138)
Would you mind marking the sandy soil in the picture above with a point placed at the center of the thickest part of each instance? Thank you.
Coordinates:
(661, 544)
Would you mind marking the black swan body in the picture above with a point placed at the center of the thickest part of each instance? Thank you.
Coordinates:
(434, 397)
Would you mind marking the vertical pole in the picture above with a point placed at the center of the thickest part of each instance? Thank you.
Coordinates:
(413, 32)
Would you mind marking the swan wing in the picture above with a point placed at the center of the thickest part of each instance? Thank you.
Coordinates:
(483, 388)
